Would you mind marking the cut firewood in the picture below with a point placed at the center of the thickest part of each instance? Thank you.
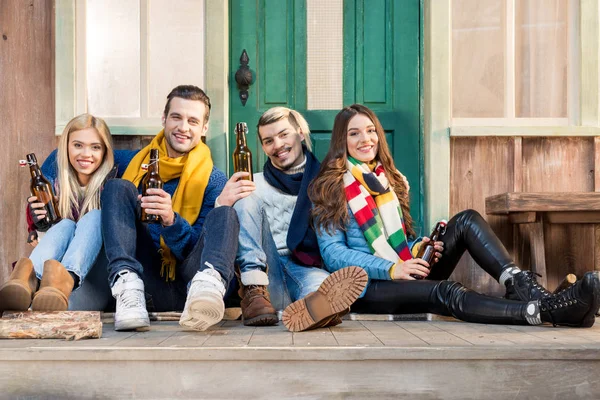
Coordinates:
(68, 325)
(565, 283)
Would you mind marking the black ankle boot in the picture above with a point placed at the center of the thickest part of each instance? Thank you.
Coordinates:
(525, 287)
(575, 306)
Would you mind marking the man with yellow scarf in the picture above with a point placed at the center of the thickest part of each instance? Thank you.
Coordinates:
(186, 261)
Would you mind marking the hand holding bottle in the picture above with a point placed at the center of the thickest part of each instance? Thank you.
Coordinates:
(438, 246)
(36, 210)
(409, 269)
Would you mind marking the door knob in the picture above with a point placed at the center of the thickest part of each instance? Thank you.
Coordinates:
(243, 77)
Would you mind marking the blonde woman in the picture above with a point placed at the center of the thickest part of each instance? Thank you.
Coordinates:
(67, 251)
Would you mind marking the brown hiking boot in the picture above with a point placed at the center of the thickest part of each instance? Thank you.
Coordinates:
(16, 293)
(336, 319)
(335, 295)
(256, 306)
(55, 288)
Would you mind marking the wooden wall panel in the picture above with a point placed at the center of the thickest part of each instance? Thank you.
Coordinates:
(480, 167)
(26, 112)
(484, 166)
(562, 165)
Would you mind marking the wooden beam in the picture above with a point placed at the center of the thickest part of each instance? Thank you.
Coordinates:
(505, 203)
(522, 217)
(573, 217)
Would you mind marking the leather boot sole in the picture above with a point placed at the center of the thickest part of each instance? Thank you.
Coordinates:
(261, 320)
(49, 299)
(14, 296)
(335, 295)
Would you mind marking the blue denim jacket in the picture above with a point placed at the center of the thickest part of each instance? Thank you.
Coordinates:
(346, 248)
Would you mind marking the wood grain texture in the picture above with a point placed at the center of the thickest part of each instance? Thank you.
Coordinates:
(481, 167)
(26, 112)
(562, 165)
(549, 201)
(486, 166)
(68, 325)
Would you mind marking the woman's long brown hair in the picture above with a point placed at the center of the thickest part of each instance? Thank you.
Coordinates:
(330, 208)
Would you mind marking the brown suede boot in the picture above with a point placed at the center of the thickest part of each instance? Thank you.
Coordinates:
(16, 293)
(55, 288)
(256, 307)
(335, 295)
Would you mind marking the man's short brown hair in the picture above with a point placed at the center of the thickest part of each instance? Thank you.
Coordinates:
(189, 92)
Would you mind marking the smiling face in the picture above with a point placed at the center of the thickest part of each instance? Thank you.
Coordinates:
(282, 144)
(184, 126)
(362, 138)
(86, 152)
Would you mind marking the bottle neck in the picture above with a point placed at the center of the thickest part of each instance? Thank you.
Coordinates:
(35, 171)
(241, 139)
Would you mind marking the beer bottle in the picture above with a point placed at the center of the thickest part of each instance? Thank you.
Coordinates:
(242, 157)
(42, 189)
(151, 181)
(427, 250)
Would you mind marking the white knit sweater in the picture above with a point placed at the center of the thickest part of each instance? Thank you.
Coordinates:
(279, 207)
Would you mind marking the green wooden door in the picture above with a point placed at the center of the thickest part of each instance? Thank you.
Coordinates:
(381, 67)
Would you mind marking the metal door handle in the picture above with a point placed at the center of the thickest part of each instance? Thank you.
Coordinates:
(243, 77)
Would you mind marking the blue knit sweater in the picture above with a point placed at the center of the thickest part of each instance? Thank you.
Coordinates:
(180, 237)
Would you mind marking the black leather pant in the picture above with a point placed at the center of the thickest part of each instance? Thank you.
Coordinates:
(465, 231)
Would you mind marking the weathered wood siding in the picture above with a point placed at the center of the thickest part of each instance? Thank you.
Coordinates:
(484, 166)
(26, 112)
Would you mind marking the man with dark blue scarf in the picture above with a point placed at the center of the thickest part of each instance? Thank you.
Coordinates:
(278, 248)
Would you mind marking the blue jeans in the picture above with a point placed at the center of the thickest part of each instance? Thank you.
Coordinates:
(288, 280)
(94, 294)
(128, 245)
(74, 244)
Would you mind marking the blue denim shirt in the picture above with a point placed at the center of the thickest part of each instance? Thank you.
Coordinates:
(345, 248)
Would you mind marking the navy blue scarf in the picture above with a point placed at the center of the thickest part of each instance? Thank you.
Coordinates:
(301, 239)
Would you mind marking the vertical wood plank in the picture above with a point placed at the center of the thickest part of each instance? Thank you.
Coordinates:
(518, 164)
(26, 112)
(562, 165)
(481, 167)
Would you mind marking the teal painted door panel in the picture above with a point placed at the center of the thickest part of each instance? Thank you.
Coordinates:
(381, 70)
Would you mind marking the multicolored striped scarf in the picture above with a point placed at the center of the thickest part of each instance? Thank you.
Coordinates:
(377, 210)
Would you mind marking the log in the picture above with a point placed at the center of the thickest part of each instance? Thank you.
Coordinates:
(565, 283)
(68, 325)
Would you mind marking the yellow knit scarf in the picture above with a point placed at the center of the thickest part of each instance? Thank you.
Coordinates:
(194, 171)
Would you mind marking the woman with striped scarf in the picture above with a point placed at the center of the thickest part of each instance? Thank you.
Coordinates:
(362, 217)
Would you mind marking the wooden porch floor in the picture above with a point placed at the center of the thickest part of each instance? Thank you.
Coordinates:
(358, 359)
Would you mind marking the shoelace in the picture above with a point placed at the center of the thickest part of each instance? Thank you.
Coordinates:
(254, 291)
(529, 277)
(562, 299)
(132, 299)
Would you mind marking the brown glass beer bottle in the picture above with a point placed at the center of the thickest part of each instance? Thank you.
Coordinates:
(42, 189)
(427, 250)
(242, 157)
(151, 181)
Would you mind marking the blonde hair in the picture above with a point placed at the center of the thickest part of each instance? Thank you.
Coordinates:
(72, 196)
(295, 119)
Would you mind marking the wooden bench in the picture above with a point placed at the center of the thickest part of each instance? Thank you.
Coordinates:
(533, 210)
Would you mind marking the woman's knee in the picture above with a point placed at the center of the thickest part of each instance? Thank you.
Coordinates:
(65, 226)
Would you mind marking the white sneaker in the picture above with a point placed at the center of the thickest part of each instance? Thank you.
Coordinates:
(204, 305)
(131, 303)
